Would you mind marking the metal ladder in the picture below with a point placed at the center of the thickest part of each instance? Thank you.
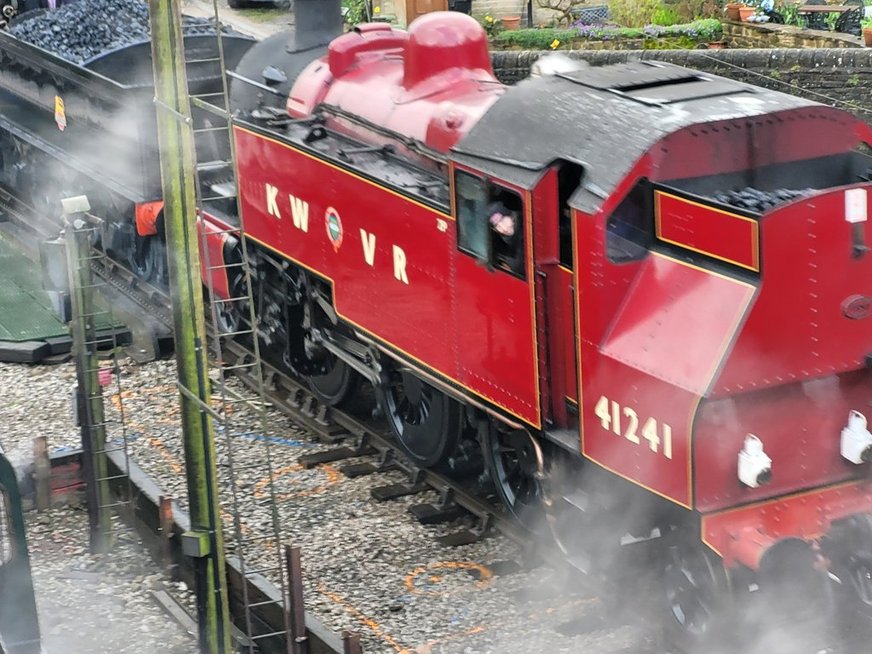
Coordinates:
(104, 431)
(228, 398)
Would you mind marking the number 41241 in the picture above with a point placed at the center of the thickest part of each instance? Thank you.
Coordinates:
(625, 421)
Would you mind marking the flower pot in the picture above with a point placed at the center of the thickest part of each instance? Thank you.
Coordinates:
(867, 36)
(732, 9)
(511, 22)
(745, 13)
(717, 45)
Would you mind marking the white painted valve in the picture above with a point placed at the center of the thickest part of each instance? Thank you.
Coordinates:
(856, 439)
(755, 466)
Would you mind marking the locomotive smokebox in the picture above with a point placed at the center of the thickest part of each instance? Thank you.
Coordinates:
(277, 61)
(317, 23)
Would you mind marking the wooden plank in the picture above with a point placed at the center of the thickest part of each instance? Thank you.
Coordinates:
(837, 9)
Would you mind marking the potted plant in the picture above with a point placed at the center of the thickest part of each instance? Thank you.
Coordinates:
(511, 22)
(732, 9)
(867, 31)
(745, 13)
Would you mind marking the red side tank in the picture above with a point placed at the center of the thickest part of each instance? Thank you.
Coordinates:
(431, 84)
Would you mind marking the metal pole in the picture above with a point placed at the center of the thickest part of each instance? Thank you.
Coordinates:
(89, 395)
(176, 141)
(297, 617)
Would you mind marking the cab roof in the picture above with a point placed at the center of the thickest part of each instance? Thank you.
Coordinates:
(604, 119)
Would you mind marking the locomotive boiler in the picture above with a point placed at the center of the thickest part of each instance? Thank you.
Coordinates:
(673, 338)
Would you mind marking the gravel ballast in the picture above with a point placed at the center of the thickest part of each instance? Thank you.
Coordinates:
(99, 604)
(368, 566)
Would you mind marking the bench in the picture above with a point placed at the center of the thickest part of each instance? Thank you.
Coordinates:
(850, 15)
(593, 15)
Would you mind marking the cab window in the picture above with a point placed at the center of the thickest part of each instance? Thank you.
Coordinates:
(629, 229)
(490, 223)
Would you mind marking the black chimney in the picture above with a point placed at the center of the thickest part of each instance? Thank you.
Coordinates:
(317, 22)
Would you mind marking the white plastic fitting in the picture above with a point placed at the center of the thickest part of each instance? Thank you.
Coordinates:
(755, 466)
(856, 439)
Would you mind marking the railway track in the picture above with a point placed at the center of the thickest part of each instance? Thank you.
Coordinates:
(369, 443)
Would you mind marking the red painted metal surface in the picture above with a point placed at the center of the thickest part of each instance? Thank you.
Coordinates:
(745, 144)
(432, 83)
(642, 384)
(396, 271)
(213, 272)
(798, 366)
(798, 329)
(719, 234)
(800, 425)
(743, 534)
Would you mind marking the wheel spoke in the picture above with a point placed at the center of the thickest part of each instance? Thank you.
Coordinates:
(425, 422)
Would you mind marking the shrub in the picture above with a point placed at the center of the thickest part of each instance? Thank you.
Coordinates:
(535, 39)
(356, 11)
(633, 13)
(665, 16)
(686, 35)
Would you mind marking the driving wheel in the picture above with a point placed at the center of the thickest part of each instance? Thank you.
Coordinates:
(425, 421)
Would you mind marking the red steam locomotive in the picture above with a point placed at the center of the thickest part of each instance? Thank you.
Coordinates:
(568, 272)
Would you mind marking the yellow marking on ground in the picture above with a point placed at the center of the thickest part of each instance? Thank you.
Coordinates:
(261, 491)
(427, 572)
(371, 624)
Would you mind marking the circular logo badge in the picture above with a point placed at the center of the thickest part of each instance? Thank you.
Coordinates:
(334, 227)
(857, 307)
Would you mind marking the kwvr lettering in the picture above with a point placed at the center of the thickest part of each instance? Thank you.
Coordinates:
(272, 206)
(300, 212)
(299, 208)
(368, 241)
(400, 264)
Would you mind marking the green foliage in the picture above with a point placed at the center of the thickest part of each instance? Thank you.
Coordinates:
(665, 16)
(678, 43)
(866, 22)
(633, 13)
(491, 25)
(831, 20)
(790, 12)
(853, 80)
(691, 10)
(356, 11)
(677, 36)
(535, 39)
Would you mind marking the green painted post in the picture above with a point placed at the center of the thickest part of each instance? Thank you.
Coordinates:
(176, 141)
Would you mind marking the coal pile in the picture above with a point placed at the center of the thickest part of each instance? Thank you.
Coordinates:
(759, 201)
(86, 28)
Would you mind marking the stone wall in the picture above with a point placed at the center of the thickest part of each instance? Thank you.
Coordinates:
(480, 8)
(842, 77)
(765, 35)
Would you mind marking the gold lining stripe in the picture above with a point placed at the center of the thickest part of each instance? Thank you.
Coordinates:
(755, 234)
(769, 501)
(325, 162)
